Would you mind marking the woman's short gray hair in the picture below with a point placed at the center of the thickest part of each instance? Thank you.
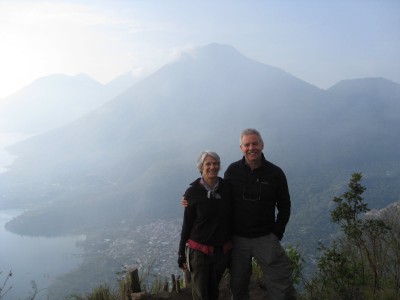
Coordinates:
(202, 157)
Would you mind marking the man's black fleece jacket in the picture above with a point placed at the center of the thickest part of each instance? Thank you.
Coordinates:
(256, 194)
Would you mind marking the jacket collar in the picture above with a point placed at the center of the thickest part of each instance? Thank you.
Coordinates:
(263, 161)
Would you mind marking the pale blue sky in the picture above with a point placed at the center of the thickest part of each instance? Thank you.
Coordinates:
(321, 42)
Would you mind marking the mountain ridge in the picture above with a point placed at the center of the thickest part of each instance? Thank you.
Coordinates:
(55, 100)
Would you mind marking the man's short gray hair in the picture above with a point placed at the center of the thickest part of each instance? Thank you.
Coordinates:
(249, 131)
(202, 157)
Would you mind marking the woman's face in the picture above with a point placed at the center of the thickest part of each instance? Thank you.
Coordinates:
(210, 168)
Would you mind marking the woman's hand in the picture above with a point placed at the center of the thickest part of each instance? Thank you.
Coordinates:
(182, 262)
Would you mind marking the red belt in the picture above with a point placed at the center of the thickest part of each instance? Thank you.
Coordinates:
(209, 249)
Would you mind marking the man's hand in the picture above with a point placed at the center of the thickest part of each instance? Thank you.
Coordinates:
(184, 203)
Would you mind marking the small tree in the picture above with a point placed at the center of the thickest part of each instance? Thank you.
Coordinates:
(296, 263)
(359, 264)
(367, 234)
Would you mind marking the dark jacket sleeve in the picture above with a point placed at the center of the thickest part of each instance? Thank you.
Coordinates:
(187, 225)
(283, 205)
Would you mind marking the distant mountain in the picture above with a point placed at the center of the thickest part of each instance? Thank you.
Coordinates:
(133, 157)
(56, 100)
(376, 97)
(122, 83)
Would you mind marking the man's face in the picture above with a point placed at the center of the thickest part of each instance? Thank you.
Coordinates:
(251, 147)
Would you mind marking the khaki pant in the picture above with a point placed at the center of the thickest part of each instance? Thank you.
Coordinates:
(273, 261)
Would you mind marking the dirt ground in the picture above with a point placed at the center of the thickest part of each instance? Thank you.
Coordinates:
(256, 293)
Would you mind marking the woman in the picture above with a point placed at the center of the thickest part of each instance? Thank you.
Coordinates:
(206, 229)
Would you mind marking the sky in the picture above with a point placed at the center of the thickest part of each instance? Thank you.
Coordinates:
(320, 42)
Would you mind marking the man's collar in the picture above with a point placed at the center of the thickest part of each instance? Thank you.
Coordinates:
(244, 162)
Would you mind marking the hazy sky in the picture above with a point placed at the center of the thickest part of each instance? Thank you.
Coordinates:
(320, 42)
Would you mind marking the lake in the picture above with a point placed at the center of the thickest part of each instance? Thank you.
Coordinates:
(7, 139)
(41, 259)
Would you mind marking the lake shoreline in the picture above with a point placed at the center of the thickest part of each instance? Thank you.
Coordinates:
(32, 258)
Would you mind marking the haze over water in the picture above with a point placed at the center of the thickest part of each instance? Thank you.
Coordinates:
(7, 139)
(34, 258)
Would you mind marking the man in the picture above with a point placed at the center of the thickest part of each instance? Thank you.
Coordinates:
(259, 188)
